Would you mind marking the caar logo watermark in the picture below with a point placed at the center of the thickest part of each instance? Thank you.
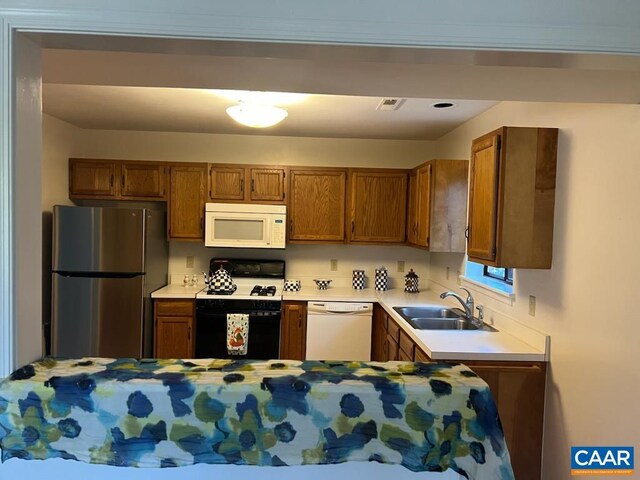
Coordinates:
(602, 461)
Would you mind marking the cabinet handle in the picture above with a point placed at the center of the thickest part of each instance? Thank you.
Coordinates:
(253, 185)
(189, 333)
(123, 181)
(242, 185)
(299, 321)
(466, 233)
(111, 181)
(353, 226)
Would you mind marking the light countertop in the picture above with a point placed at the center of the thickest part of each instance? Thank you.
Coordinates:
(177, 291)
(438, 344)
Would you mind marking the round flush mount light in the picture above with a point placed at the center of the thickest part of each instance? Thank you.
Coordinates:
(443, 105)
(257, 116)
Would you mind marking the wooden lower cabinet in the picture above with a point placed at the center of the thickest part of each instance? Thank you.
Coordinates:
(293, 331)
(518, 388)
(173, 328)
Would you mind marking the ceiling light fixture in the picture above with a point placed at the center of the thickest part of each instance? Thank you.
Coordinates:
(256, 115)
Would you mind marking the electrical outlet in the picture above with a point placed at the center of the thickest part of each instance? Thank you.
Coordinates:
(334, 265)
(447, 275)
(189, 261)
(532, 305)
(400, 266)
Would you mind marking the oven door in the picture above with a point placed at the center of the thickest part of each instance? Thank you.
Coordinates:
(211, 334)
(243, 230)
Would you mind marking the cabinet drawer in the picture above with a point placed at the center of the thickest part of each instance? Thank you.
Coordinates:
(393, 328)
(420, 356)
(174, 307)
(406, 344)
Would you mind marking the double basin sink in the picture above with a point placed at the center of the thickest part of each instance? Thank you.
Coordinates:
(439, 318)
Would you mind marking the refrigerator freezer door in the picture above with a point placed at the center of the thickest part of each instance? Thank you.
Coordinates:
(95, 239)
(97, 316)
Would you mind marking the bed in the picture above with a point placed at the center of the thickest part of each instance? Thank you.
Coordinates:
(94, 416)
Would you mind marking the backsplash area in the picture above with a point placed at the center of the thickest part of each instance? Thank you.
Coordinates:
(306, 262)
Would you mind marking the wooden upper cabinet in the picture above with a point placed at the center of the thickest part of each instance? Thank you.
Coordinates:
(423, 204)
(247, 184)
(317, 205)
(440, 212)
(226, 183)
(512, 196)
(377, 206)
(92, 178)
(186, 202)
(143, 180)
(412, 204)
(293, 331)
(267, 184)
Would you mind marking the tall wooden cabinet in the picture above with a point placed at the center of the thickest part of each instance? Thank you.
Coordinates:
(293, 330)
(186, 201)
(512, 197)
(377, 206)
(173, 328)
(317, 205)
(438, 205)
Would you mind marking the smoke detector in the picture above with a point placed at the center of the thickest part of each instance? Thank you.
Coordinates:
(390, 103)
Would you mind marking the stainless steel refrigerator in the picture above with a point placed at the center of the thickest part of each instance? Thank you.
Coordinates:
(106, 263)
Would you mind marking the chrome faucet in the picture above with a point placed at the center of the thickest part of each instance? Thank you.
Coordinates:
(468, 304)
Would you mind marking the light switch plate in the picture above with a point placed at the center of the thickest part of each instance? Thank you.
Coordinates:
(532, 305)
(334, 265)
(400, 266)
(189, 261)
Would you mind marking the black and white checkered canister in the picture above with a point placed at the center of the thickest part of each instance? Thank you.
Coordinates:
(381, 279)
(359, 280)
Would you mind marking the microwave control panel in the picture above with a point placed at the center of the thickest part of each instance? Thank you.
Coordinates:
(278, 232)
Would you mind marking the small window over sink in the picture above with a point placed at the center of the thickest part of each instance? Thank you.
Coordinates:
(500, 279)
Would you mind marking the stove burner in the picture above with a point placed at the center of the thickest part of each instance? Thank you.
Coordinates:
(219, 292)
(261, 291)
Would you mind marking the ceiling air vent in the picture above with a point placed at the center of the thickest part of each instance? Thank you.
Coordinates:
(391, 103)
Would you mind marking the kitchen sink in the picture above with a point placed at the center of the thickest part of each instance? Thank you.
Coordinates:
(428, 312)
(438, 318)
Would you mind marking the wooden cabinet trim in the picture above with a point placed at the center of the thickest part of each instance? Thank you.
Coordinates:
(174, 307)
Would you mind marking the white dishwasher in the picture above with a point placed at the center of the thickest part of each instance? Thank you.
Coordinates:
(339, 331)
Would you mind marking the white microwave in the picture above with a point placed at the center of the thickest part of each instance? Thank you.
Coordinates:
(243, 225)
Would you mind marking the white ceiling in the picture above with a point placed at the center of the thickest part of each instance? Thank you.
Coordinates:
(164, 85)
(202, 111)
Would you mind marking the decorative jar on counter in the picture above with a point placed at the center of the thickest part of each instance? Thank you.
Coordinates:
(381, 279)
(411, 282)
(358, 279)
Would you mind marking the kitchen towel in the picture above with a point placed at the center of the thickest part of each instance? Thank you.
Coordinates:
(237, 333)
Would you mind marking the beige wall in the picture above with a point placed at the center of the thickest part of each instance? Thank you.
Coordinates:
(201, 147)
(586, 301)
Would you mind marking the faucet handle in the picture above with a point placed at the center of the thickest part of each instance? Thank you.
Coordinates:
(469, 296)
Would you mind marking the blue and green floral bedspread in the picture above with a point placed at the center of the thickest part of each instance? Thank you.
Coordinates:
(165, 413)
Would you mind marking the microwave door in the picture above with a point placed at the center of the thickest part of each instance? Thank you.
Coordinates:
(232, 230)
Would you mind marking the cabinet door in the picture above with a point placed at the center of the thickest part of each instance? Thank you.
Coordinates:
(92, 178)
(392, 349)
(226, 183)
(423, 206)
(483, 202)
(412, 212)
(317, 205)
(267, 184)
(186, 202)
(173, 337)
(142, 180)
(378, 334)
(378, 207)
(293, 331)
(420, 356)
(448, 206)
